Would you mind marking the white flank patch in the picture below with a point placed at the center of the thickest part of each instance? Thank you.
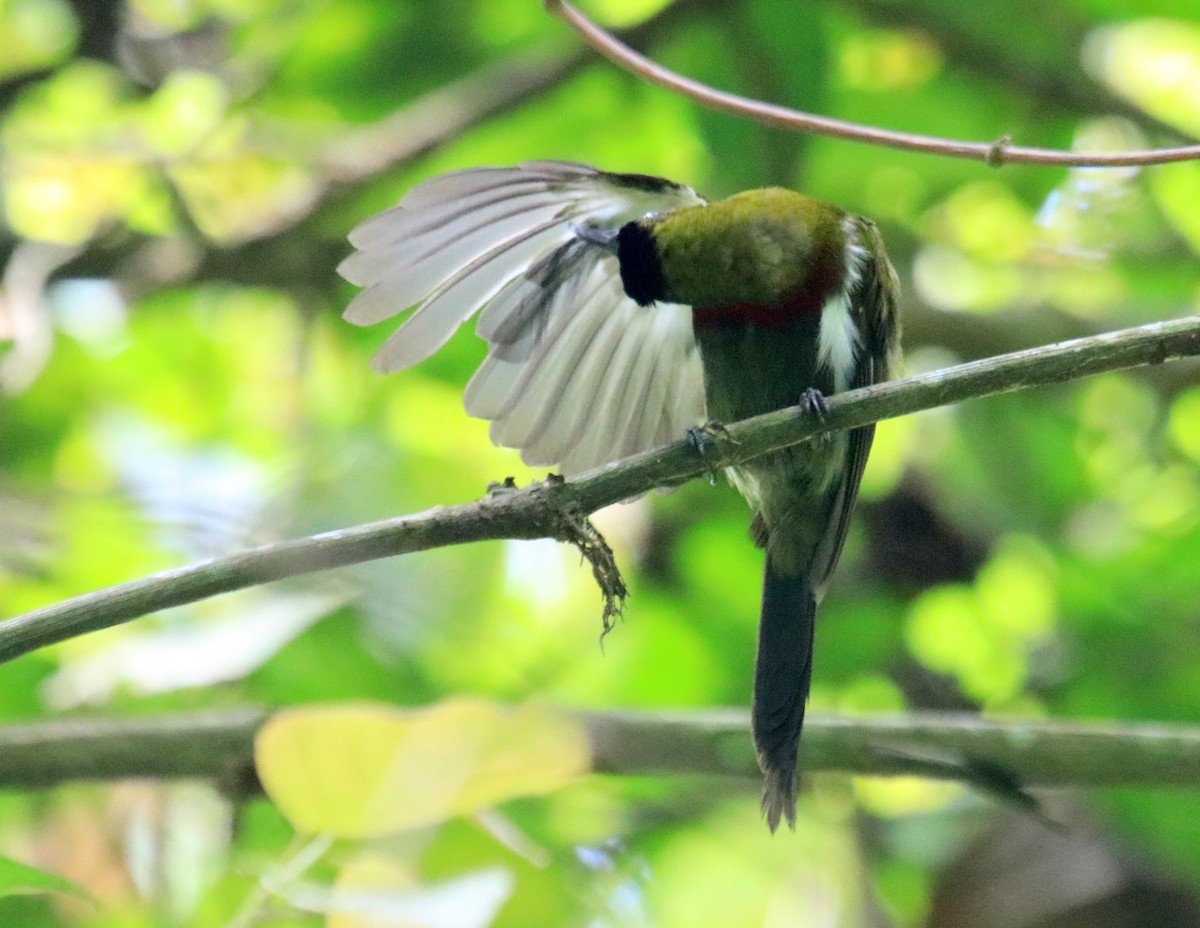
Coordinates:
(838, 340)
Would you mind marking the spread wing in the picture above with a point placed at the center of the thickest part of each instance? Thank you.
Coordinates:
(577, 374)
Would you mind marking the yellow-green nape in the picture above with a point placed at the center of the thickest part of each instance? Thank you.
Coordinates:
(760, 246)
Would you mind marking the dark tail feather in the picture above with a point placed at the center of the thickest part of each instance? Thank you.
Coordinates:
(782, 675)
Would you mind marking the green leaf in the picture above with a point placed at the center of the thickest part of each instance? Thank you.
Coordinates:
(18, 878)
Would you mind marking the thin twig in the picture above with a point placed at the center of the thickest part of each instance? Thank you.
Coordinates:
(533, 512)
(995, 153)
(989, 54)
(941, 745)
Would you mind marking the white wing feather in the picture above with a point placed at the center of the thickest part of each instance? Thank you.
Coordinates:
(577, 373)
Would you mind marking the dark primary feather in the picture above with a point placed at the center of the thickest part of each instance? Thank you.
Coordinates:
(512, 326)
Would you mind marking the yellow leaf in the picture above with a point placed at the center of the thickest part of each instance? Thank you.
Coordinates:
(362, 770)
(524, 752)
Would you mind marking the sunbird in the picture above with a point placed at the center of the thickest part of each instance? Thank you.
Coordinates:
(623, 311)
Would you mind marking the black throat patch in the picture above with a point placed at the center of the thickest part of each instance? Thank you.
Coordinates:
(641, 267)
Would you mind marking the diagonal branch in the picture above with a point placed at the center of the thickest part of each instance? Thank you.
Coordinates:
(219, 744)
(536, 511)
(997, 153)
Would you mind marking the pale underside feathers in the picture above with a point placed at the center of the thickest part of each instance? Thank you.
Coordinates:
(577, 374)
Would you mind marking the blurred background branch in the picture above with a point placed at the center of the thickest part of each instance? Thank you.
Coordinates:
(219, 745)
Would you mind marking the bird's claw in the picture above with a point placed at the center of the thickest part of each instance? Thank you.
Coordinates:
(813, 400)
(502, 488)
(700, 437)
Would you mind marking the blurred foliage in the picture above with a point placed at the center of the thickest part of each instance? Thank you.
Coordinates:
(360, 770)
(176, 180)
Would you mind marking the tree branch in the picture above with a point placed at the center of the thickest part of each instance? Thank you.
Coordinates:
(997, 153)
(220, 745)
(551, 508)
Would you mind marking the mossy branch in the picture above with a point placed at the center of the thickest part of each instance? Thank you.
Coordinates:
(537, 511)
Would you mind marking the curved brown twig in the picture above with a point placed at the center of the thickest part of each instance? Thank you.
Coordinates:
(996, 153)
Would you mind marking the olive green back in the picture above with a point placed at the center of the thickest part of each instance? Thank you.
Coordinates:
(759, 247)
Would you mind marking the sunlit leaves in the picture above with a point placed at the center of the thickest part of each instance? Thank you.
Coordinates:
(34, 34)
(727, 871)
(897, 796)
(1185, 423)
(983, 634)
(870, 694)
(1177, 190)
(661, 126)
(84, 152)
(1155, 63)
(883, 60)
(183, 111)
(70, 167)
(889, 457)
(1142, 492)
(948, 279)
(987, 221)
(361, 771)
(234, 193)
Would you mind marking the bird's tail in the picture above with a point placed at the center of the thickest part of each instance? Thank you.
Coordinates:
(782, 675)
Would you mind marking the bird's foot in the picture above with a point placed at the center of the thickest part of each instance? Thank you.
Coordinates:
(813, 400)
(701, 437)
(502, 488)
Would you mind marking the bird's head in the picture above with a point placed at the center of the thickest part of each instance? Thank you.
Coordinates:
(763, 247)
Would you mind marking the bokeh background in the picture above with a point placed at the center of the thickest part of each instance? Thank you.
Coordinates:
(177, 178)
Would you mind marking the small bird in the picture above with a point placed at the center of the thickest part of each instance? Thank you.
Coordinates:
(622, 311)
